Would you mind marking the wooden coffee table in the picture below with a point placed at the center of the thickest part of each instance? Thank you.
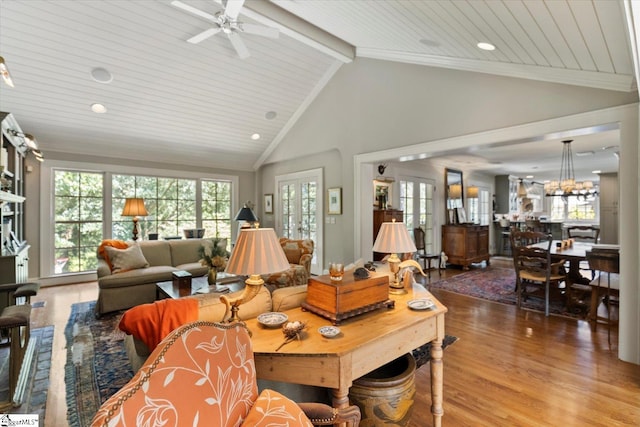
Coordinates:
(366, 342)
(225, 283)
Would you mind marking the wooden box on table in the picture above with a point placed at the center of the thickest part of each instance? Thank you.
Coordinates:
(340, 300)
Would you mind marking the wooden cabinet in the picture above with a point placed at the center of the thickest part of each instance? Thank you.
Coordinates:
(380, 216)
(13, 247)
(465, 244)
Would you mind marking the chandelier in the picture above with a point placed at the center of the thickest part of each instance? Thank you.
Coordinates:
(567, 185)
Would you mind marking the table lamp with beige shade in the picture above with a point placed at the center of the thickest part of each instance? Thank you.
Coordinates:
(393, 238)
(257, 251)
(134, 207)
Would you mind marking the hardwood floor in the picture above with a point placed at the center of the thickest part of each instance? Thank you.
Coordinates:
(509, 367)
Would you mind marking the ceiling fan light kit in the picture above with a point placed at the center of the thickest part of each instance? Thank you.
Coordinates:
(227, 22)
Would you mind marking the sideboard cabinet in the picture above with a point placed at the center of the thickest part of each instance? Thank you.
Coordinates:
(380, 216)
(465, 244)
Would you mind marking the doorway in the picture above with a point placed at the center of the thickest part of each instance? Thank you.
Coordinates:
(298, 210)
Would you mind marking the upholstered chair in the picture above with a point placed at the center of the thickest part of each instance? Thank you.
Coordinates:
(203, 373)
(299, 253)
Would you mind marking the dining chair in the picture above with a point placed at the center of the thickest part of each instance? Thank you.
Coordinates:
(534, 225)
(535, 273)
(584, 233)
(605, 263)
(421, 253)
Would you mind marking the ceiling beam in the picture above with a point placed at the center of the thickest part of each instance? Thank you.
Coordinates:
(270, 14)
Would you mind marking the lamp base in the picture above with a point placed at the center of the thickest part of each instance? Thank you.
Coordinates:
(397, 289)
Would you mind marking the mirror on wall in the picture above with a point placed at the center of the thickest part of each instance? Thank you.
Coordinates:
(453, 194)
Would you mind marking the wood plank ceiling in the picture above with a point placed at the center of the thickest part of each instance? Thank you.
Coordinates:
(171, 101)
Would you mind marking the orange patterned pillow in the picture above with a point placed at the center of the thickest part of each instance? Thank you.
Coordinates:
(273, 409)
(118, 244)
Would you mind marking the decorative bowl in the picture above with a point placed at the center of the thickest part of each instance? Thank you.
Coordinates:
(193, 233)
(329, 331)
(272, 319)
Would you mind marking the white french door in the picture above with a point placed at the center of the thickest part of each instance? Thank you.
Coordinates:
(299, 208)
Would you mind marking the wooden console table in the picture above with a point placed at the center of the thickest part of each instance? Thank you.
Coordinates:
(366, 342)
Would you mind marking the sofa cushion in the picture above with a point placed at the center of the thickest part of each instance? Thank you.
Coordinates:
(213, 310)
(157, 252)
(286, 298)
(273, 409)
(150, 323)
(127, 259)
(141, 276)
(185, 251)
(195, 268)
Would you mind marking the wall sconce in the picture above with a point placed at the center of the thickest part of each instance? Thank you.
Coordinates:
(4, 71)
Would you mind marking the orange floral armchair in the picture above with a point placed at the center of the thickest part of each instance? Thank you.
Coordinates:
(299, 253)
(203, 373)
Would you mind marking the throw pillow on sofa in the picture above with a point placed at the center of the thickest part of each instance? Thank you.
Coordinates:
(126, 259)
(118, 244)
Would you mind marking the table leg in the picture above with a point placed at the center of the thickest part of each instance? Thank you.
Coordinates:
(436, 382)
(340, 399)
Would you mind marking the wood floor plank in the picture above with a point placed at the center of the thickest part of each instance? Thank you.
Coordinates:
(510, 367)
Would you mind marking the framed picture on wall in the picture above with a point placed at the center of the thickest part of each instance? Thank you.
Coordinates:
(268, 203)
(334, 196)
(382, 194)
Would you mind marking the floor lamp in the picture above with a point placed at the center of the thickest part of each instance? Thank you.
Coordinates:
(134, 207)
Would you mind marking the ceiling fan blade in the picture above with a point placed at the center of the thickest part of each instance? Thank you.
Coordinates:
(232, 8)
(261, 30)
(204, 35)
(193, 10)
(238, 45)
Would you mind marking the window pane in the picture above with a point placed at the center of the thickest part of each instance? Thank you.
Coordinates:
(78, 206)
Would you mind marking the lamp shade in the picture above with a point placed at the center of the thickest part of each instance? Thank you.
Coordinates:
(134, 207)
(257, 251)
(393, 238)
(455, 191)
(472, 192)
(246, 214)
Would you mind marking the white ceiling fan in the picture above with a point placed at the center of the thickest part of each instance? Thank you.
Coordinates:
(227, 22)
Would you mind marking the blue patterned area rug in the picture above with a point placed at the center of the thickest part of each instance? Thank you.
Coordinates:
(97, 365)
(498, 284)
(34, 399)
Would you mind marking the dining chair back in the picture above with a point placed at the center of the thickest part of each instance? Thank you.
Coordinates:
(534, 225)
(421, 253)
(584, 233)
(535, 273)
(606, 263)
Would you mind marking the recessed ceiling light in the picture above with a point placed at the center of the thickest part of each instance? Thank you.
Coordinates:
(486, 46)
(255, 136)
(430, 43)
(270, 115)
(529, 176)
(596, 172)
(101, 75)
(98, 108)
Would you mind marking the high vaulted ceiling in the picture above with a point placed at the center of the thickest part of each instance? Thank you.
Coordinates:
(199, 104)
